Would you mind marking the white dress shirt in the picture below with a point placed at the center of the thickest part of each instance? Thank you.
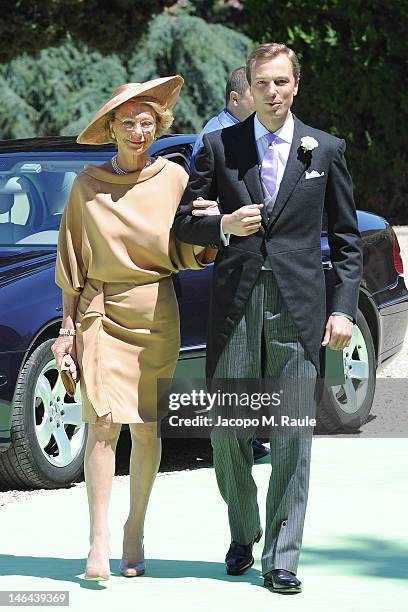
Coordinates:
(283, 144)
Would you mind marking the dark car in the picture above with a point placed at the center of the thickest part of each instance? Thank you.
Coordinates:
(42, 437)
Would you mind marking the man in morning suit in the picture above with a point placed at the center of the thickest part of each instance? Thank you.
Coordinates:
(273, 177)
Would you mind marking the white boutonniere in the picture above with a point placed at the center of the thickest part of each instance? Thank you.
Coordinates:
(308, 143)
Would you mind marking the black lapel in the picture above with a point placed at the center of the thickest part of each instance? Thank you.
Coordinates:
(246, 157)
(297, 163)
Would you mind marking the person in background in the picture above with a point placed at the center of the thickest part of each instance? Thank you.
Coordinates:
(239, 105)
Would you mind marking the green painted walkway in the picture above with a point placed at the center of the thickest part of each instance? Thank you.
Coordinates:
(355, 549)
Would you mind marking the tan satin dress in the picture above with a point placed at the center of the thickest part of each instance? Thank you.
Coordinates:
(117, 253)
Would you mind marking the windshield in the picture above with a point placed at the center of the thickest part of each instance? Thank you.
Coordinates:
(32, 198)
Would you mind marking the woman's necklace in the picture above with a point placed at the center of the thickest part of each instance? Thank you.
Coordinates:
(118, 169)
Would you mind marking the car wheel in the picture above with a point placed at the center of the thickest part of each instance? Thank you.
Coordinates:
(346, 407)
(48, 437)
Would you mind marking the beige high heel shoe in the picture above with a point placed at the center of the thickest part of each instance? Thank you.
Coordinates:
(96, 576)
(92, 574)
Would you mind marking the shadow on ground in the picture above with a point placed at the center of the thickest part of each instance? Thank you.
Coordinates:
(71, 570)
(362, 556)
(370, 557)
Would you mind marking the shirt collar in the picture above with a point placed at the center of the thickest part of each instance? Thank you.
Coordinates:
(285, 132)
(234, 119)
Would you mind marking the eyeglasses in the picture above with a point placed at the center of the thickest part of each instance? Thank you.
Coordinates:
(146, 125)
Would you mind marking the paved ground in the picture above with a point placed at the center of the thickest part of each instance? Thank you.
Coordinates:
(354, 556)
(355, 549)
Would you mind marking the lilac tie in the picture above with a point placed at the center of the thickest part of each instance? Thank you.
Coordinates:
(269, 167)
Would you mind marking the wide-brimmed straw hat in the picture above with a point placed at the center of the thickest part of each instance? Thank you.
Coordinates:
(165, 91)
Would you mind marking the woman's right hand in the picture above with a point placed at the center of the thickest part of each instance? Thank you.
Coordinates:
(64, 350)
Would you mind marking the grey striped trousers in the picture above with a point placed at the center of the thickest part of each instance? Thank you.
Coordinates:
(266, 344)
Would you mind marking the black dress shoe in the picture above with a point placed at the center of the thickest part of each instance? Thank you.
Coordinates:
(239, 556)
(259, 450)
(282, 581)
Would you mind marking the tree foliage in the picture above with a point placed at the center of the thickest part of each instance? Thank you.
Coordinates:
(60, 89)
(353, 55)
(226, 12)
(353, 84)
(63, 86)
(203, 54)
(28, 26)
(18, 118)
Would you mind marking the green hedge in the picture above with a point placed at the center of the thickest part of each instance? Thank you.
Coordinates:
(353, 84)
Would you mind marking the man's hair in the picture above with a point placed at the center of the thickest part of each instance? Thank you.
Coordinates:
(268, 51)
(237, 81)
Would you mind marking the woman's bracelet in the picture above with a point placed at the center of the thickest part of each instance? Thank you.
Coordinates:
(65, 331)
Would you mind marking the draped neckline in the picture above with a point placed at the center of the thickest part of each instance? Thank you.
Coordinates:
(131, 177)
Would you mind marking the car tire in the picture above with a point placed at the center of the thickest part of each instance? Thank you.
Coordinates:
(344, 408)
(48, 437)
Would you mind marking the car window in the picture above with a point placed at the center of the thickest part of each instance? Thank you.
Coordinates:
(16, 208)
(32, 199)
(33, 194)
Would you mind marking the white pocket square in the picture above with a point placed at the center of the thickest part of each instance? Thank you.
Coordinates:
(313, 174)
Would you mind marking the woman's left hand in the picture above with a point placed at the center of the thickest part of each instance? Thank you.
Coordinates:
(205, 208)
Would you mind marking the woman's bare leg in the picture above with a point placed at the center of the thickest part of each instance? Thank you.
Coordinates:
(99, 468)
(144, 464)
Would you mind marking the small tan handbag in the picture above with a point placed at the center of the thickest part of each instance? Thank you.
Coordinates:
(67, 379)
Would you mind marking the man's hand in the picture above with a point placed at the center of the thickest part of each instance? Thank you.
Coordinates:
(338, 332)
(244, 221)
(205, 208)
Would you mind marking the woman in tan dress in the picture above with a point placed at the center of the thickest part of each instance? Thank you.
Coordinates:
(116, 254)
